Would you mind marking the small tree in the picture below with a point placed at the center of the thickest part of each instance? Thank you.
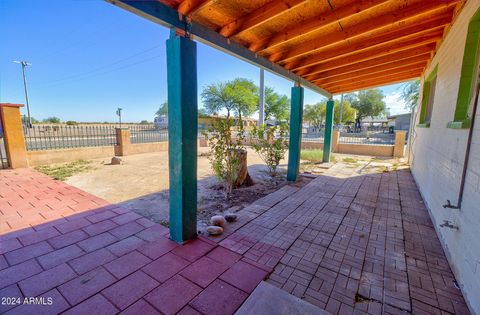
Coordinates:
(239, 97)
(276, 106)
(410, 93)
(315, 114)
(144, 122)
(163, 110)
(368, 103)
(271, 144)
(53, 120)
(224, 158)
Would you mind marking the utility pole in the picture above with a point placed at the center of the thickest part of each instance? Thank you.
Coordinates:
(119, 114)
(261, 105)
(24, 65)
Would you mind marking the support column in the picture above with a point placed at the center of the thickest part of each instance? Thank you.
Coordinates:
(327, 145)
(399, 148)
(122, 148)
(261, 99)
(182, 136)
(13, 135)
(295, 143)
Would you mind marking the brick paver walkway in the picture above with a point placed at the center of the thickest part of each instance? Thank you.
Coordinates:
(362, 245)
(359, 245)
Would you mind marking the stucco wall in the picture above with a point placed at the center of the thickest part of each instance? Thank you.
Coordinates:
(67, 155)
(437, 163)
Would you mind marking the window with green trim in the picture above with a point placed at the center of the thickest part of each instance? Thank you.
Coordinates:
(428, 97)
(469, 75)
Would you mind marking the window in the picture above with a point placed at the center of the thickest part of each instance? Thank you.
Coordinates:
(428, 97)
(469, 75)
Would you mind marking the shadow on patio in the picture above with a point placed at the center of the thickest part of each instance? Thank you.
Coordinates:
(362, 244)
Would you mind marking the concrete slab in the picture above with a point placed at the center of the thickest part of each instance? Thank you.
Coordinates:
(268, 299)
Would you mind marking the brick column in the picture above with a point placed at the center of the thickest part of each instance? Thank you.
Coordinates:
(123, 142)
(335, 140)
(399, 149)
(13, 135)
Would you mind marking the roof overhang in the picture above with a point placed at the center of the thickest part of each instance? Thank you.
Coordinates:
(331, 47)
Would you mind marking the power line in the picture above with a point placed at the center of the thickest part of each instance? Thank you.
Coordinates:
(86, 73)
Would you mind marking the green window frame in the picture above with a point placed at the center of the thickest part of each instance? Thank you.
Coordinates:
(468, 76)
(428, 94)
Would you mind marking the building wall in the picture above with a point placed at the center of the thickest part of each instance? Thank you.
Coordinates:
(437, 164)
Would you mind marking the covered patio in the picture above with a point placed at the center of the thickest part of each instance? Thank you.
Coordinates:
(364, 244)
(361, 244)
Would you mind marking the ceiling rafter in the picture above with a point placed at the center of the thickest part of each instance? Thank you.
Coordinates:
(397, 20)
(367, 84)
(393, 64)
(313, 24)
(436, 25)
(413, 47)
(189, 7)
(348, 78)
(374, 52)
(259, 16)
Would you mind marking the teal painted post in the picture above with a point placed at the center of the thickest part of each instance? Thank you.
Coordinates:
(327, 143)
(182, 136)
(295, 143)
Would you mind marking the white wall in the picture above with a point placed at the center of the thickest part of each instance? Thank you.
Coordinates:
(437, 164)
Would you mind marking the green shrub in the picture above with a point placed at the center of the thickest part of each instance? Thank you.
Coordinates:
(271, 144)
(71, 122)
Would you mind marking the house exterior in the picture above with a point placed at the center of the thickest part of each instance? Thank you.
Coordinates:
(440, 140)
(400, 121)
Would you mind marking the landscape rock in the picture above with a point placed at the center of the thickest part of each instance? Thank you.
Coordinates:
(214, 230)
(217, 220)
(116, 160)
(230, 217)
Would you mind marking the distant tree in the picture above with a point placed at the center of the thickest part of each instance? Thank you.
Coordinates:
(276, 106)
(52, 120)
(202, 112)
(238, 97)
(144, 122)
(25, 120)
(163, 110)
(71, 122)
(368, 103)
(315, 114)
(348, 112)
(410, 93)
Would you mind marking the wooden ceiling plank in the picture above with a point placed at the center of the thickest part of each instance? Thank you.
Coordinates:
(189, 7)
(416, 44)
(314, 24)
(373, 84)
(259, 16)
(410, 13)
(367, 74)
(384, 78)
(374, 65)
(383, 39)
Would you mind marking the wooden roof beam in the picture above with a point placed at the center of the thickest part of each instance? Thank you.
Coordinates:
(373, 65)
(259, 16)
(410, 16)
(369, 84)
(416, 45)
(189, 7)
(369, 73)
(314, 24)
(436, 26)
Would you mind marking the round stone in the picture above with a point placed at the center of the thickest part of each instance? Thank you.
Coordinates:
(214, 230)
(217, 220)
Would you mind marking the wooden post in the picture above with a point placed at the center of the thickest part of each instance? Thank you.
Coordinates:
(399, 149)
(335, 140)
(13, 135)
(122, 148)
(182, 136)
(327, 146)
(294, 145)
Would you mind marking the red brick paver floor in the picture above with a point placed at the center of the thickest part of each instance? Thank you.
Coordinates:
(362, 245)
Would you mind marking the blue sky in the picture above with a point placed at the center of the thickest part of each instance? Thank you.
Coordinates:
(89, 57)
